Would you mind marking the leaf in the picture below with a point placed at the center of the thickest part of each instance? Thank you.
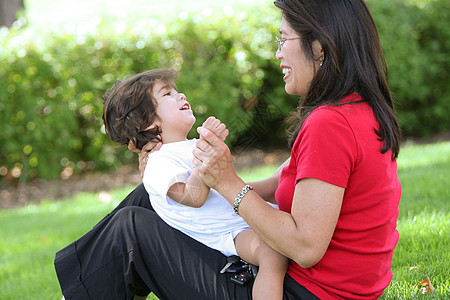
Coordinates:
(427, 287)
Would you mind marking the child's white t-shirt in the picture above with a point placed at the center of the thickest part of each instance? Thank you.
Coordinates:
(215, 224)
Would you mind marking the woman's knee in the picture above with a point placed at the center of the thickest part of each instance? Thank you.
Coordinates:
(134, 216)
(130, 221)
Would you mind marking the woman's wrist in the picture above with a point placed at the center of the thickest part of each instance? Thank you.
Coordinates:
(230, 189)
(240, 196)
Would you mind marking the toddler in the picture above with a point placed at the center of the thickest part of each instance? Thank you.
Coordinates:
(148, 107)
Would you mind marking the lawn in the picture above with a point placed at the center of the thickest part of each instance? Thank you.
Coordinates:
(30, 236)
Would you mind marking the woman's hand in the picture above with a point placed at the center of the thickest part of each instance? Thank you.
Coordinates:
(215, 128)
(212, 159)
(143, 153)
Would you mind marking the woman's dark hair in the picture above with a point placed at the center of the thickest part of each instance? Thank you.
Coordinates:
(129, 108)
(353, 61)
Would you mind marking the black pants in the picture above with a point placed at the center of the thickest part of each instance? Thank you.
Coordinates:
(133, 252)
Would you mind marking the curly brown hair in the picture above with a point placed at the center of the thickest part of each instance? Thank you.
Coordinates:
(129, 108)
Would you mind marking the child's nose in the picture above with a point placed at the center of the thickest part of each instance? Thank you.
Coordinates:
(181, 96)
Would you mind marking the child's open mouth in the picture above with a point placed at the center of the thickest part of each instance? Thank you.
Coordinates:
(185, 106)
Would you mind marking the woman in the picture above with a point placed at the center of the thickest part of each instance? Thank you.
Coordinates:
(338, 194)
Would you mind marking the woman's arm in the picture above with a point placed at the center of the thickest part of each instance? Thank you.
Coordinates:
(266, 188)
(305, 233)
(302, 235)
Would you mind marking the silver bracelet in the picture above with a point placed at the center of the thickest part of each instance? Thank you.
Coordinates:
(239, 197)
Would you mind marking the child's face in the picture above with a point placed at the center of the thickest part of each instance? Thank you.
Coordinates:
(174, 112)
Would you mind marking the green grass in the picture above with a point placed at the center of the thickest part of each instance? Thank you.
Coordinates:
(424, 222)
(30, 236)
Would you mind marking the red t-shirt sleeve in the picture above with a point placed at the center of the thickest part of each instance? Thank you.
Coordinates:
(326, 147)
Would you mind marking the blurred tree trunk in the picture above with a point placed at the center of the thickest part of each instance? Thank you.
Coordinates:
(8, 10)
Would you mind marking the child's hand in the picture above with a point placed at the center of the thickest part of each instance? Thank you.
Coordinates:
(215, 126)
(143, 154)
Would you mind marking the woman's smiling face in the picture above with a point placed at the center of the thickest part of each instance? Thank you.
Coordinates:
(298, 69)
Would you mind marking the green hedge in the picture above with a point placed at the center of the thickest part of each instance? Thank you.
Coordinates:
(416, 42)
(51, 83)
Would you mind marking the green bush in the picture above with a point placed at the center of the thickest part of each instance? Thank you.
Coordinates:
(415, 39)
(51, 83)
(51, 89)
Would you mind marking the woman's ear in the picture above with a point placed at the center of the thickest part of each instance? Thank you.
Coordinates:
(317, 49)
(318, 53)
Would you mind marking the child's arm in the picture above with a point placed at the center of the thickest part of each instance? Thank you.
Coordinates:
(194, 192)
(266, 188)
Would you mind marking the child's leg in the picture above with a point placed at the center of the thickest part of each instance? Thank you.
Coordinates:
(272, 265)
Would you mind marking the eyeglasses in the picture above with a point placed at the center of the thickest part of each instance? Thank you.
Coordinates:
(280, 42)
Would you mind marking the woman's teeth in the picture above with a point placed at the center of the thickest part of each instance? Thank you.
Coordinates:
(287, 70)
